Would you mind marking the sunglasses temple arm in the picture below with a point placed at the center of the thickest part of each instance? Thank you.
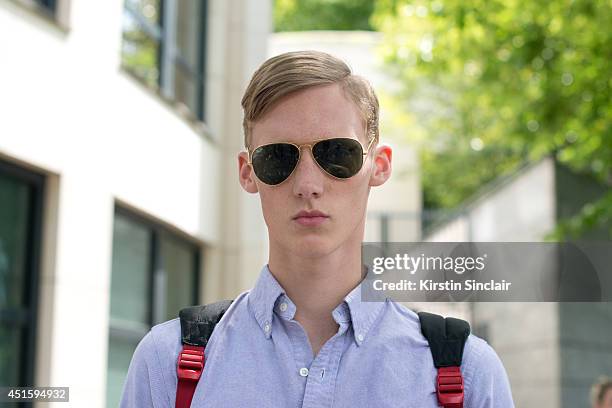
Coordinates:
(369, 145)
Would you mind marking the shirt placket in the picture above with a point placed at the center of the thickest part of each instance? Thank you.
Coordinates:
(302, 353)
(323, 372)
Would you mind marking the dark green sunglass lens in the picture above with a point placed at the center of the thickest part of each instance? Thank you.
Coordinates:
(273, 163)
(341, 157)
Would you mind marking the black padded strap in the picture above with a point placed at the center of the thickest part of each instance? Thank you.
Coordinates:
(198, 322)
(446, 338)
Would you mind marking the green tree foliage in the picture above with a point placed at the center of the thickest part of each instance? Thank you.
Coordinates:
(502, 82)
(304, 15)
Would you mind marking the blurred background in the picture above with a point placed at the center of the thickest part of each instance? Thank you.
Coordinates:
(119, 197)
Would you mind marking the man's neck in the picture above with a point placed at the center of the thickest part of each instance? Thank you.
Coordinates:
(317, 286)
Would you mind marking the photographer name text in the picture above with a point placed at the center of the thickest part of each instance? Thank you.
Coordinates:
(429, 285)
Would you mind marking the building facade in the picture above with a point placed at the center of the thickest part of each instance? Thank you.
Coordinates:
(553, 351)
(119, 200)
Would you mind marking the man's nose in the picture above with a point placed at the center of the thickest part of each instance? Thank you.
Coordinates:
(308, 177)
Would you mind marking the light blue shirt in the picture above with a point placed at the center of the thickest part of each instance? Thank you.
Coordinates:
(259, 356)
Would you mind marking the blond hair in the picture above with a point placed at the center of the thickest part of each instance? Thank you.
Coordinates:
(290, 72)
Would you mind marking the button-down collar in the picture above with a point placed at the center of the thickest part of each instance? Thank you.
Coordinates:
(268, 296)
(263, 297)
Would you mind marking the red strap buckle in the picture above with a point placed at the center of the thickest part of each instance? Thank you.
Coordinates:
(450, 387)
(190, 363)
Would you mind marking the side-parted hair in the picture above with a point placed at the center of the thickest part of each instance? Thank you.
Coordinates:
(286, 73)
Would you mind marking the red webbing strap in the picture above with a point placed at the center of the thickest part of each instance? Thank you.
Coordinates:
(450, 387)
(189, 371)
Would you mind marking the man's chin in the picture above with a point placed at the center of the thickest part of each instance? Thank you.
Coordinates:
(312, 246)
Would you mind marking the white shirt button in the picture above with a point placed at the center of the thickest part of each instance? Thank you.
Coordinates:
(360, 337)
(283, 307)
(303, 371)
(267, 327)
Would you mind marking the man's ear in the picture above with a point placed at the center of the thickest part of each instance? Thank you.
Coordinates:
(381, 164)
(245, 174)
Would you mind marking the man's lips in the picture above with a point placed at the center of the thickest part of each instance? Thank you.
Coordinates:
(310, 218)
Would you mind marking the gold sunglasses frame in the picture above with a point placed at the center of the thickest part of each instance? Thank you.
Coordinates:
(310, 145)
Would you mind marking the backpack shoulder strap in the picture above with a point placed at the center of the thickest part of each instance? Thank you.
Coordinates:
(446, 337)
(197, 325)
(198, 322)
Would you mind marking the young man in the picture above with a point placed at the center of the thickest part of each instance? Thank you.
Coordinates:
(302, 337)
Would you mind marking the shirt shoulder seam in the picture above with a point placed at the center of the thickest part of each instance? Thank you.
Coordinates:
(220, 327)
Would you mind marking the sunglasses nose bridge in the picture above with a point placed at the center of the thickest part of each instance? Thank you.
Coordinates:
(305, 145)
(301, 156)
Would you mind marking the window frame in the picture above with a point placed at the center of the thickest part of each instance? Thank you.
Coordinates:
(169, 59)
(56, 12)
(47, 8)
(50, 5)
(27, 319)
(157, 275)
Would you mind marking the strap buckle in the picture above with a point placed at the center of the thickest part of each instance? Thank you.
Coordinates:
(190, 363)
(449, 387)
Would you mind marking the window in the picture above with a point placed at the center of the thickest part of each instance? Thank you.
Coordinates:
(164, 46)
(20, 222)
(154, 275)
(47, 4)
(45, 7)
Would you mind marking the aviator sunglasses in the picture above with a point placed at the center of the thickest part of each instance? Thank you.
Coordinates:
(340, 157)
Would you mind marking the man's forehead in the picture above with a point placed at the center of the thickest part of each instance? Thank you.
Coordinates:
(303, 132)
(313, 113)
